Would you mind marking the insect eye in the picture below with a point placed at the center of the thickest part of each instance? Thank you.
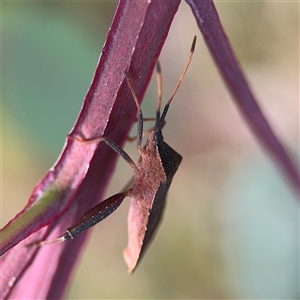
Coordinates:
(155, 140)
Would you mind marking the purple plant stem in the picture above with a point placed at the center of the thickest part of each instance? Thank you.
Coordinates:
(134, 42)
(220, 49)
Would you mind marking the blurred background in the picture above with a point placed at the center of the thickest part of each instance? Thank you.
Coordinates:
(231, 225)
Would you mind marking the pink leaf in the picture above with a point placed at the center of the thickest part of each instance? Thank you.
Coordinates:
(218, 44)
(77, 180)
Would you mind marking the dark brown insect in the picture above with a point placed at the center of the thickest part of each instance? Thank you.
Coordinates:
(157, 165)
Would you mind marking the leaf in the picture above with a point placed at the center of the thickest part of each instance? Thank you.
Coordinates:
(219, 46)
(79, 176)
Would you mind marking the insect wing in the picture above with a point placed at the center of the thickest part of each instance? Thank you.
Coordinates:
(144, 218)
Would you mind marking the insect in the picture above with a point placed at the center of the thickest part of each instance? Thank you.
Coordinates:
(153, 175)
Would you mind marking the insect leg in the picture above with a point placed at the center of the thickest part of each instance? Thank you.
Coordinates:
(112, 145)
(139, 114)
(89, 219)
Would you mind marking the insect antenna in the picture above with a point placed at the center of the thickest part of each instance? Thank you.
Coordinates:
(163, 116)
(159, 94)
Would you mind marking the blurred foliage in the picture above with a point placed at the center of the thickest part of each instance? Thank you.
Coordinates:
(231, 225)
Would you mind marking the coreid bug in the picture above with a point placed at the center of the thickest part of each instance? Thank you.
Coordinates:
(154, 172)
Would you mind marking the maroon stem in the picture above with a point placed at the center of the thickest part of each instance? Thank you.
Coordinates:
(218, 44)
